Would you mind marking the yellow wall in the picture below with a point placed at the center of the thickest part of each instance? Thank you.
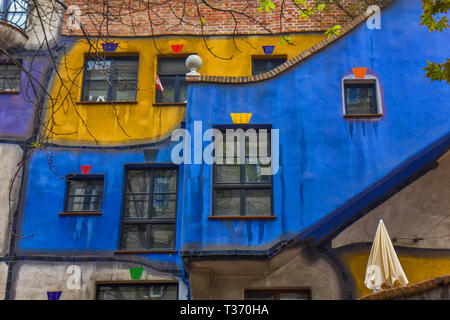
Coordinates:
(144, 122)
(420, 267)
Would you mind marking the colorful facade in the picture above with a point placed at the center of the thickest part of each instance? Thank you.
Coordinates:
(105, 211)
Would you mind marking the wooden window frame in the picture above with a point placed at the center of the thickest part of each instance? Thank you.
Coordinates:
(242, 186)
(148, 221)
(111, 88)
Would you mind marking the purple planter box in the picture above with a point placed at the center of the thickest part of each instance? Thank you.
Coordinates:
(110, 46)
(54, 295)
(268, 49)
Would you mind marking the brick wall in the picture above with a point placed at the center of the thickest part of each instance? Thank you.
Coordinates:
(132, 17)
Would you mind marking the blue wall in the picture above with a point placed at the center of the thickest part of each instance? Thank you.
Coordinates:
(325, 160)
(45, 196)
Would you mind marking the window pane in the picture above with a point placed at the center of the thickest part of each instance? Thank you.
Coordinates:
(95, 91)
(118, 76)
(162, 236)
(125, 91)
(84, 195)
(257, 202)
(228, 202)
(260, 295)
(134, 236)
(294, 296)
(165, 181)
(9, 77)
(164, 205)
(85, 187)
(137, 292)
(228, 174)
(136, 206)
(138, 181)
(17, 13)
(360, 99)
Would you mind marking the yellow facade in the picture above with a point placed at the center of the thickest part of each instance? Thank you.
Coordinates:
(418, 267)
(127, 123)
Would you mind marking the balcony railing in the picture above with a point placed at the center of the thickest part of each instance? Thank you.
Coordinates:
(14, 12)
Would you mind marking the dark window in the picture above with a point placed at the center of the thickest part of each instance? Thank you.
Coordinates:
(149, 211)
(172, 74)
(110, 79)
(264, 65)
(137, 291)
(14, 12)
(9, 77)
(282, 294)
(360, 98)
(84, 194)
(241, 189)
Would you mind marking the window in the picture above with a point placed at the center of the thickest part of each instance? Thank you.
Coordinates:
(9, 78)
(84, 194)
(14, 12)
(360, 98)
(137, 291)
(241, 189)
(262, 65)
(172, 74)
(149, 211)
(281, 294)
(110, 79)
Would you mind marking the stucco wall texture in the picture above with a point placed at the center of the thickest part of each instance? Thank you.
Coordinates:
(419, 210)
(10, 156)
(32, 280)
(214, 22)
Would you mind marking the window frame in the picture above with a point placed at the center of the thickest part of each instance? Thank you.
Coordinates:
(135, 282)
(82, 177)
(148, 221)
(110, 88)
(268, 59)
(16, 90)
(177, 83)
(278, 291)
(4, 11)
(242, 186)
(368, 80)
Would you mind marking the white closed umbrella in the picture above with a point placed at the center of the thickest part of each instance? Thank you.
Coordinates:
(383, 266)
